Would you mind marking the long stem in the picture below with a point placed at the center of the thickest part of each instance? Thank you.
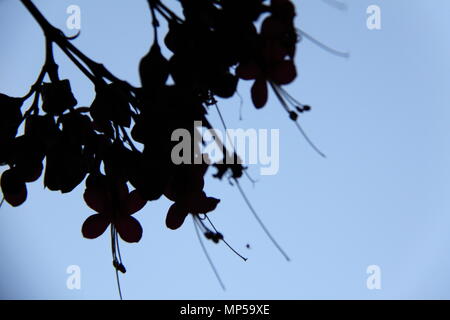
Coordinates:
(303, 133)
(266, 231)
(113, 249)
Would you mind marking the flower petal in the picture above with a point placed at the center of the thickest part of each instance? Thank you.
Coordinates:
(202, 204)
(95, 198)
(13, 187)
(16, 199)
(283, 72)
(259, 93)
(176, 216)
(170, 193)
(95, 226)
(248, 71)
(122, 192)
(135, 202)
(197, 172)
(273, 28)
(129, 229)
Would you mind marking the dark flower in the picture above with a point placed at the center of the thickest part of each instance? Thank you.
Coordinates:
(192, 202)
(114, 204)
(277, 72)
(186, 190)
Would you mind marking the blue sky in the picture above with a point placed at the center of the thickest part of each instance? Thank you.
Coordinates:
(379, 198)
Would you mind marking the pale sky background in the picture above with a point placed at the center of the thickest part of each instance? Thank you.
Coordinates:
(380, 197)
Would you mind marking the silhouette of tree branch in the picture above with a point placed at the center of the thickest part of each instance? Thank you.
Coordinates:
(214, 45)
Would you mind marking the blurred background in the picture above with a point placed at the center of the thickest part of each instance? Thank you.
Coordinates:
(379, 198)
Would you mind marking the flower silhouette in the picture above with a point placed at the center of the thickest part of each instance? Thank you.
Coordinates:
(114, 205)
(193, 203)
(207, 51)
(186, 190)
(277, 72)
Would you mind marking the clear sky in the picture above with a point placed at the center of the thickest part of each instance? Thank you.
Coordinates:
(380, 197)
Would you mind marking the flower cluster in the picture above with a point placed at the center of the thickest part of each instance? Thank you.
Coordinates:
(123, 139)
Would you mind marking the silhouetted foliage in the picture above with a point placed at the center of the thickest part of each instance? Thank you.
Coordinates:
(214, 45)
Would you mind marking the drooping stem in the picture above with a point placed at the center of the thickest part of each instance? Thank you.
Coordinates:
(258, 219)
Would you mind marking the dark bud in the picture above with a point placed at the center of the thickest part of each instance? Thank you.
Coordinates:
(111, 103)
(77, 127)
(177, 38)
(27, 155)
(57, 97)
(13, 187)
(66, 166)
(11, 116)
(154, 68)
(42, 129)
